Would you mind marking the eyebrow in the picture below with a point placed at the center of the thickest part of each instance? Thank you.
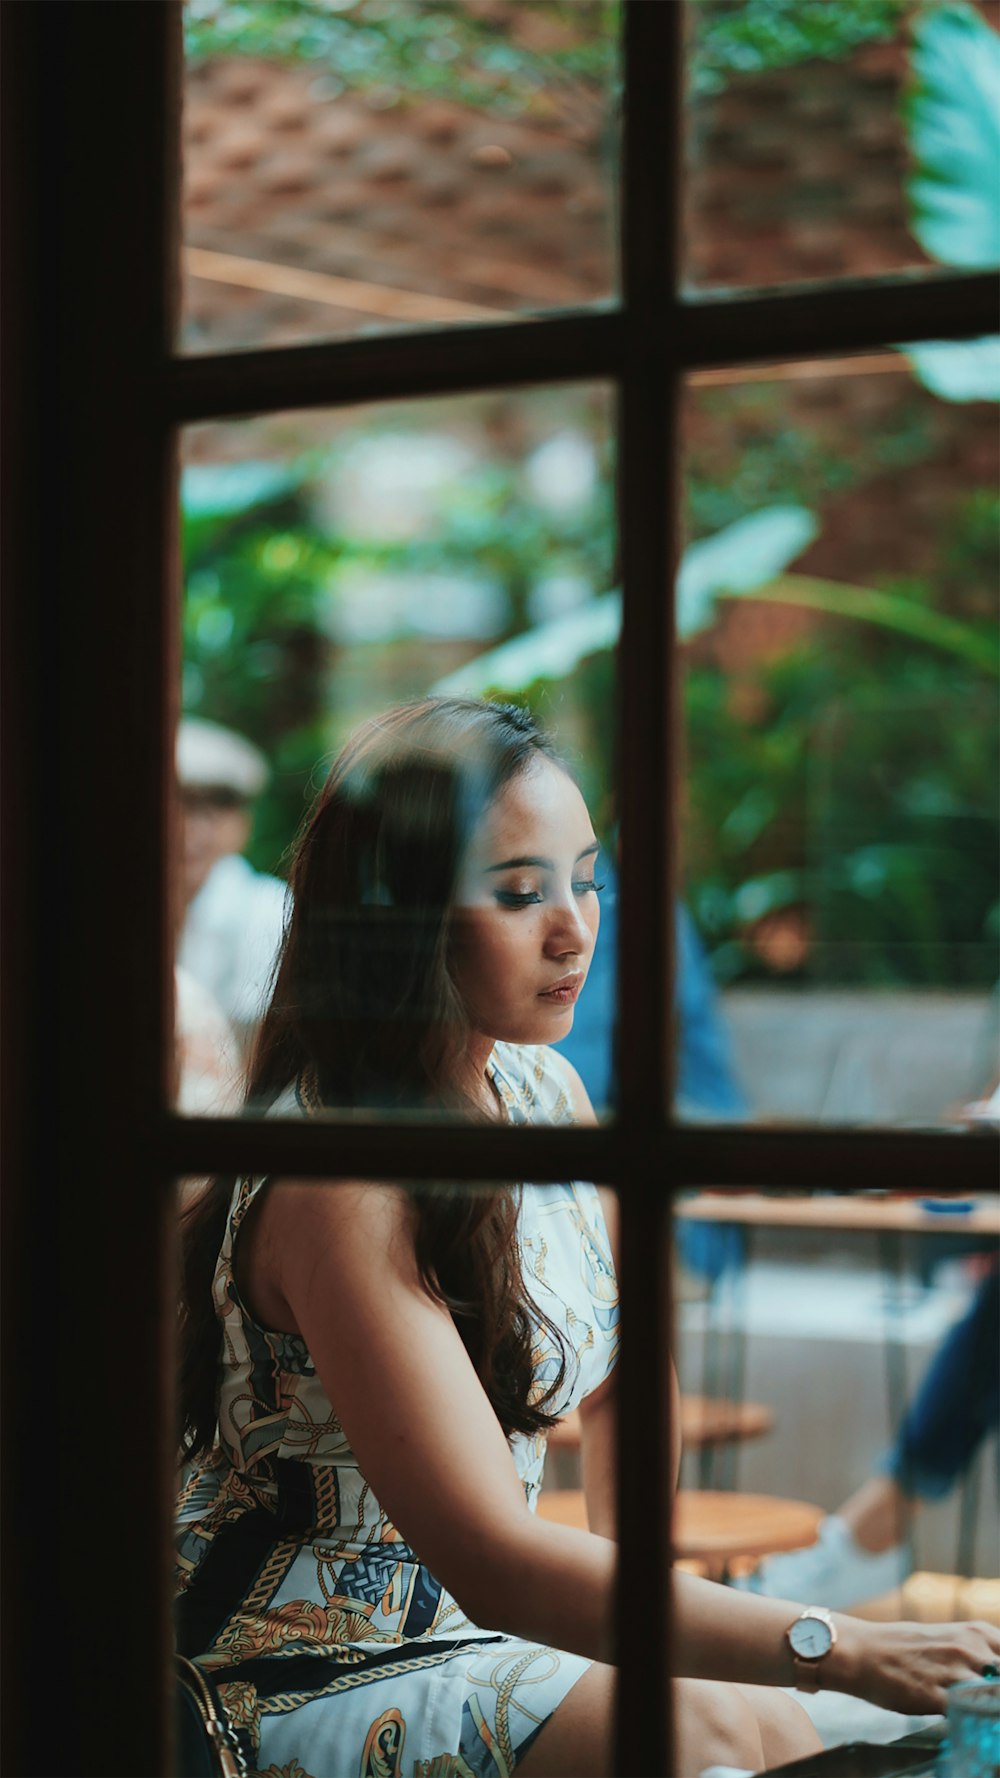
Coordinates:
(541, 863)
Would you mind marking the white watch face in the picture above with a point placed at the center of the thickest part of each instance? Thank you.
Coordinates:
(810, 1637)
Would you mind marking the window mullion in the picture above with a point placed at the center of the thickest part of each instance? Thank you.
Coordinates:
(739, 1156)
(848, 316)
(447, 361)
(704, 331)
(91, 148)
(652, 163)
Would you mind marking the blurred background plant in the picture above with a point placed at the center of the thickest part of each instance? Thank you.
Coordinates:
(472, 53)
(840, 806)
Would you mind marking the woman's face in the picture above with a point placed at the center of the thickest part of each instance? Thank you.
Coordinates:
(526, 911)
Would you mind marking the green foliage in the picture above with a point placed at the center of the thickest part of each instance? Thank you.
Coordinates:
(952, 116)
(492, 526)
(859, 786)
(779, 462)
(959, 370)
(262, 579)
(854, 778)
(744, 558)
(254, 656)
(734, 37)
(417, 48)
(440, 48)
(973, 643)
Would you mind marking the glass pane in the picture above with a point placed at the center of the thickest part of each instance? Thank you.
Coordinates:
(337, 565)
(838, 616)
(367, 166)
(840, 1353)
(838, 140)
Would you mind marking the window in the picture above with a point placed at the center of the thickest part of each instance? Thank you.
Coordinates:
(94, 396)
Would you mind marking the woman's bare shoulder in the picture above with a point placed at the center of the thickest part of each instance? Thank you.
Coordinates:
(309, 1234)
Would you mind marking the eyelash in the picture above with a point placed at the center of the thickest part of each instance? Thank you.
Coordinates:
(508, 898)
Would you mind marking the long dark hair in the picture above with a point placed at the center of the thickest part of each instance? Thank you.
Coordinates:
(364, 1012)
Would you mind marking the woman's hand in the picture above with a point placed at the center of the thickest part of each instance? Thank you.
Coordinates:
(908, 1667)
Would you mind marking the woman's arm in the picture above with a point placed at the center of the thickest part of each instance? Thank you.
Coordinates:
(902, 1666)
(337, 1264)
(720, 1634)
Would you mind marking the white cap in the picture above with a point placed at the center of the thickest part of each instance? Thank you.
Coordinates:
(211, 757)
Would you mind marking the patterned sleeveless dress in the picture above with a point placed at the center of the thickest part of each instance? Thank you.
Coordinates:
(337, 1652)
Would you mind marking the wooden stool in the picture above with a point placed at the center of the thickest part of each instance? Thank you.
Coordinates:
(704, 1421)
(720, 1528)
(712, 1529)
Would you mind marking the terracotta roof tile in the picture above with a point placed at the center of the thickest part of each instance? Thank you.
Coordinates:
(491, 156)
(239, 80)
(237, 146)
(440, 122)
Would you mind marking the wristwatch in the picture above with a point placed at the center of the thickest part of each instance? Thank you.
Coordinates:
(810, 1638)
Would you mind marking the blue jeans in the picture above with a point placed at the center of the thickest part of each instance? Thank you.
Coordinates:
(957, 1404)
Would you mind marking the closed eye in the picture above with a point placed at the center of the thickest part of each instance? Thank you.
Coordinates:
(512, 898)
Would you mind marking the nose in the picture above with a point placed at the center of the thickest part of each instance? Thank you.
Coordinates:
(568, 933)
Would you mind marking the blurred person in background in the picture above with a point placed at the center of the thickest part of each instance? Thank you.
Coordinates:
(707, 1086)
(233, 915)
(864, 1548)
(207, 1053)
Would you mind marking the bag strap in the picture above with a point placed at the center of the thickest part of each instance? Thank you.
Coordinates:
(221, 1742)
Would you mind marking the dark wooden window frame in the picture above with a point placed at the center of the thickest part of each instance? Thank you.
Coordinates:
(93, 397)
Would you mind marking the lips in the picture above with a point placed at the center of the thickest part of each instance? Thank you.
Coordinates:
(565, 990)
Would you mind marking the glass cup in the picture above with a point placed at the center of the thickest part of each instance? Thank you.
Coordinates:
(974, 1729)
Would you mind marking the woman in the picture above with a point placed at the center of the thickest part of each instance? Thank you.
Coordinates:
(369, 1371)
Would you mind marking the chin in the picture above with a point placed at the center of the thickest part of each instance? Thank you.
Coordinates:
(543, 1030)
(553, 1028)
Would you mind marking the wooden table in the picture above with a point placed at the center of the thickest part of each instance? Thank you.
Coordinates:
(861, 1214)
(710, 1526)
(705, 1420)
(718, 1527)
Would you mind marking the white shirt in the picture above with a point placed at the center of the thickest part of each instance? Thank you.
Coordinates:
(231, 936)
(208, 1053)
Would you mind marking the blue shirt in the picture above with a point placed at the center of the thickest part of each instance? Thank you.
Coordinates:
(706, 1079)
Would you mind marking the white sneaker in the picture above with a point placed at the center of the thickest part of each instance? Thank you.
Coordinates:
(836, 1571)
